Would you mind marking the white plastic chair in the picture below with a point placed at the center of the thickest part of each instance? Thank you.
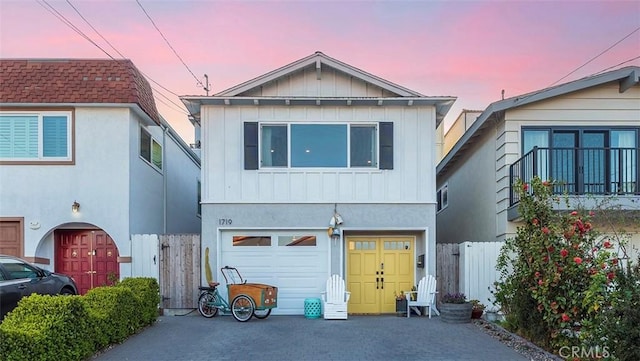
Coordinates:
(425, 296)
(335, 299)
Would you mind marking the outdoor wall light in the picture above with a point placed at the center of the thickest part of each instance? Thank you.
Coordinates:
(75, 207)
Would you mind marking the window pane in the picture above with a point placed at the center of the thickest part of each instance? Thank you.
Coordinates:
(318, 145)
(274, 146)
(534, 138)
(623, 161)
(145, 145)
(156, 155)
(240, 241)
(18, 136)
(363, 146)
(296, 241)
(55, 136)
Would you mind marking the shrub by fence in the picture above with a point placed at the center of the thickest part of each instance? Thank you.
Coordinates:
(70, 328)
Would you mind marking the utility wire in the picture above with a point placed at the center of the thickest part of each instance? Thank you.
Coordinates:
(61, 17)
(617, 65)
(169, 44)
(595, 57)
(67, 22)
(94, 29)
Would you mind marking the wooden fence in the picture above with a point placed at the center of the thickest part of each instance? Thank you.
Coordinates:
(172, 259)
(447, 268)
(468, 267)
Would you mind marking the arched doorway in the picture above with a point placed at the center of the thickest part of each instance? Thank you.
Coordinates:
(89, 256)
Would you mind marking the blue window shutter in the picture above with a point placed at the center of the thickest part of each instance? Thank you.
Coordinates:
(250, 145)
(54, 136)
(386, 145)
(18, 137)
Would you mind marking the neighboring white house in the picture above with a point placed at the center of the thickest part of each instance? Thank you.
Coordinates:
(286, 152)
(585, 133)
(85, 162)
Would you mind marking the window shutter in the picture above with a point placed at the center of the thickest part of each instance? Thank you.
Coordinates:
(386, 145)
(18, 137)
(54, 134)
(250, 145)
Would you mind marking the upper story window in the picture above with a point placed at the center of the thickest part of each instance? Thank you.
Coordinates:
(442, 197)
(36, 136)
(301, 145)
(150, 149)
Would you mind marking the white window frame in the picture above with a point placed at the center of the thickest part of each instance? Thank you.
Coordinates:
(151, 143)
(40, 115)
(442, 198)
(375, 166)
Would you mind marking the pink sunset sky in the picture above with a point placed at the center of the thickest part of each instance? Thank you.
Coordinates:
(468, 49)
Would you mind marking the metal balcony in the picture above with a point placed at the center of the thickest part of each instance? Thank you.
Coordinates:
(579, 171)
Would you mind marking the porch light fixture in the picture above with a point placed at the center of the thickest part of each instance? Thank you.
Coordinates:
(335, 235)
(75, 207)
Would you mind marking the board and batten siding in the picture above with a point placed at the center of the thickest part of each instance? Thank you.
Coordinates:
(411, 181)
(601, 106)
(332, 83)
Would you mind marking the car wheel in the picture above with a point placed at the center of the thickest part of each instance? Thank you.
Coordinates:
(67, 292)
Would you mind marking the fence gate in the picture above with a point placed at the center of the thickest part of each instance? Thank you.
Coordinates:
(447, 268)
(179, 270)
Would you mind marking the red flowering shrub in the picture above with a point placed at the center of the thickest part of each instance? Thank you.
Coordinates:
(557, 274)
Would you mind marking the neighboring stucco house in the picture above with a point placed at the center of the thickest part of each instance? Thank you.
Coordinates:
(85, 162)
(584, 133)
(282, 153)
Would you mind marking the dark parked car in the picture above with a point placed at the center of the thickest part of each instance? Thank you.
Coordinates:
(19, 278)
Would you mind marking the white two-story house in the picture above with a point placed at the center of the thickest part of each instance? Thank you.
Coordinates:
(583, 134)
(85, 162)
(288, 153)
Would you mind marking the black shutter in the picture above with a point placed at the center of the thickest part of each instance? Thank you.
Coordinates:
(250, 145)
(386, 145)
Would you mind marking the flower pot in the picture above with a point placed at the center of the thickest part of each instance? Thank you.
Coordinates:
(476, 314)
(456, 312)
(401, 307)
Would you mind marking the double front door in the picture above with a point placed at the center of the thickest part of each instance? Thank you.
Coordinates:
(89, 256)
(378, 268)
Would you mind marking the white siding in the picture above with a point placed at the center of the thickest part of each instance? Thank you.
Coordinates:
(411, 180)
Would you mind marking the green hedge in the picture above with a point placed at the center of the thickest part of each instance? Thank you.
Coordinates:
(74, 327)
(47, 328)
(114, 312)
(147, 291)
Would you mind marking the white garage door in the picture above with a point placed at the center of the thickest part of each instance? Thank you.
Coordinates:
(297, 262)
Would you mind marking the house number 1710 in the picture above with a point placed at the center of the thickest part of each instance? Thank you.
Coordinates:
(225, 221)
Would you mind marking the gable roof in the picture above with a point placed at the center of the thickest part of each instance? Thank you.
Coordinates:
(75, 81)
(627, 78)
(237, 94)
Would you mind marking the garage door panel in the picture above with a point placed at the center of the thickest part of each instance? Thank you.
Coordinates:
(299, 272)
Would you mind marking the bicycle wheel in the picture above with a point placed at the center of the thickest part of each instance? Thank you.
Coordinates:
(262, 314)
(206, 304)
(242, 308)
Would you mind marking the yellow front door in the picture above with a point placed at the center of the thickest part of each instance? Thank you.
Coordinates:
(377, 269)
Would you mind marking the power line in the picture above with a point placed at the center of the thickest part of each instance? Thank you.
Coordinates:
(67, 22)
(94, 29)
(61, 17)
(617, 65)
(169, 44)
(595, 57)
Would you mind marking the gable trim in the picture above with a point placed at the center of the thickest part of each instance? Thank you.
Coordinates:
(317, 59)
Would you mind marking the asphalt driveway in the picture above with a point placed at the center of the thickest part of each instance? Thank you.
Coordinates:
(193, 337)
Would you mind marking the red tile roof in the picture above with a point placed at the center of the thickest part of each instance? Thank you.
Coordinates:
(75, 81)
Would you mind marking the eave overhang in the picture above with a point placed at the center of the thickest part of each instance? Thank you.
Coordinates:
(442, 104)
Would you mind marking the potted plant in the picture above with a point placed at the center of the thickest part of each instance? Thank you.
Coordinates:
(401, 303)
(477, 309)
(455, 308)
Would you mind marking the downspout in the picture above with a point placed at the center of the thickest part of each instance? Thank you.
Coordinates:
(164, 179)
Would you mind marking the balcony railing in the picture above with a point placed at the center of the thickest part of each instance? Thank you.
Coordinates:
(579, 171)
